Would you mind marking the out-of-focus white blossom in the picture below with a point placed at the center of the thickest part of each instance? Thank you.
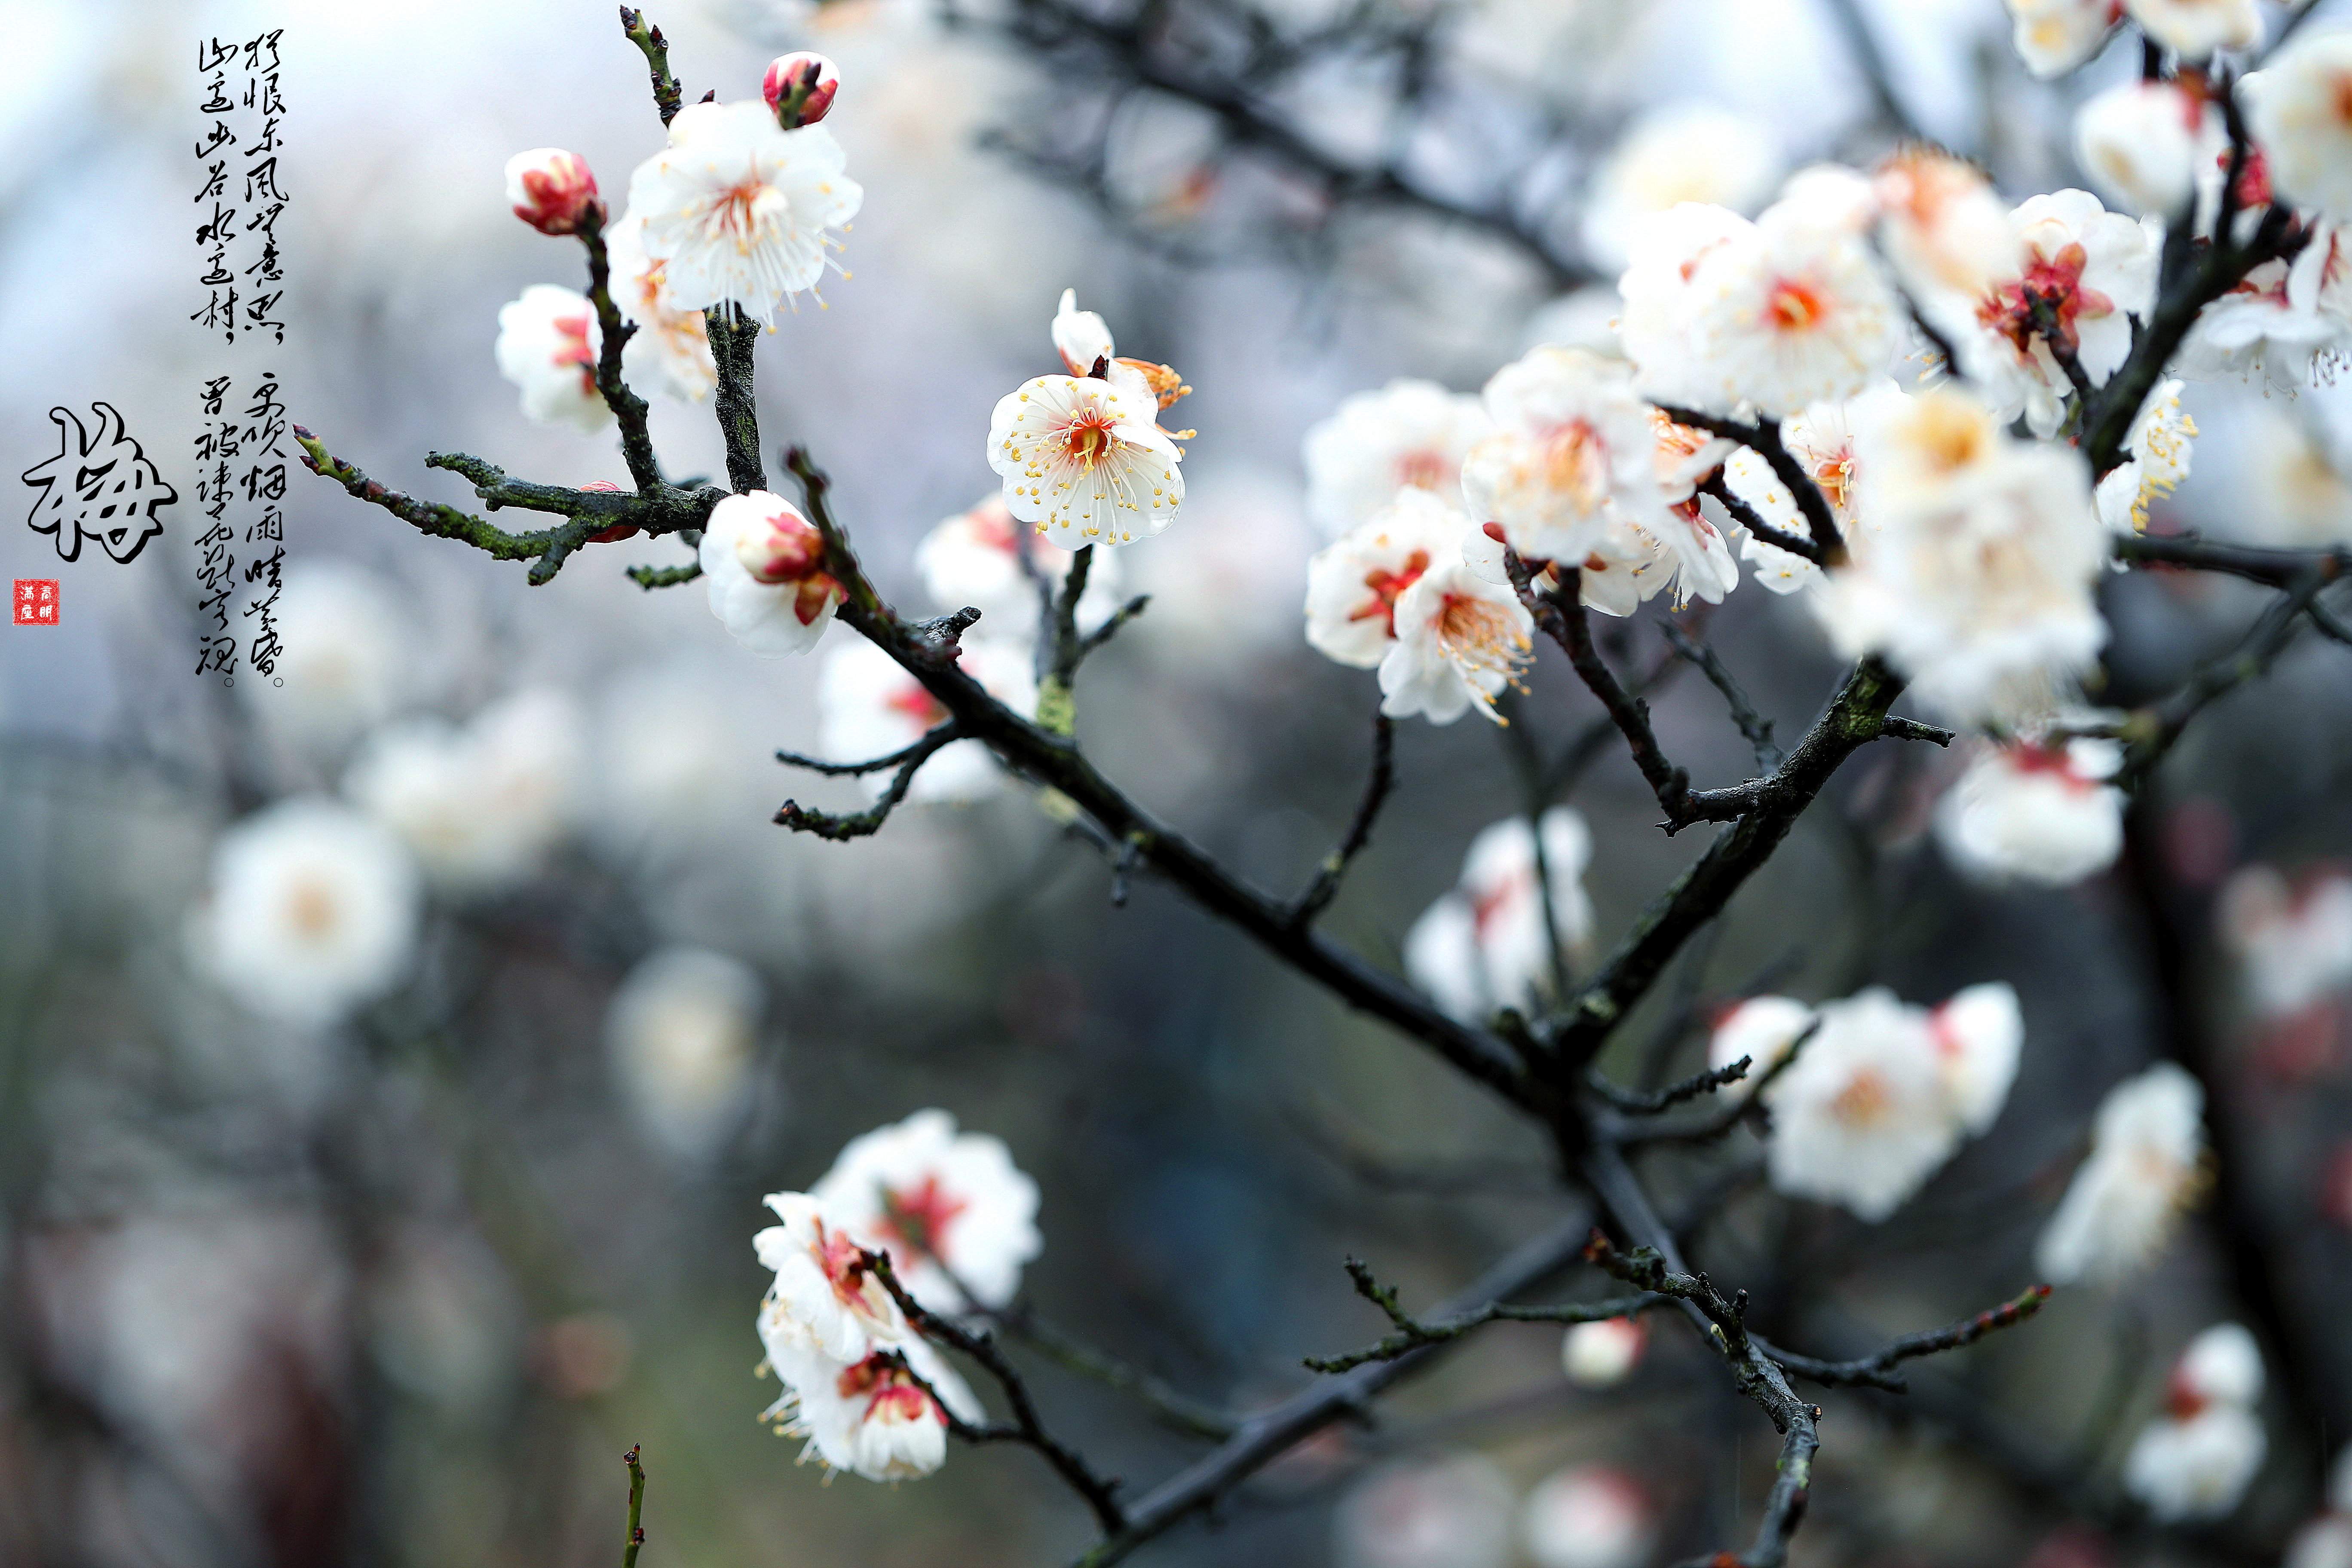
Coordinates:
(482, 806)
(870, 708)
(312, 909)
(2035, 813)
(1760, 1029)
(1603, 1354)
(2194, 28)
(550, 189)
(824, 1299)
(1945, 231)
(2299, 108)
(1794, 309)
(763, 567)
(1977, 581)
(2055, 36)
(2293, 945)
(1460, 640)
(1453, 1512)
(2196, 1460)
(347, 658)
(974, 558)
(737, 207)
(1409, 434)
(1354, 584)
(1588, 1516)
(669, 353)
(2142, 142)
(951, 1208)
(2095, 270)
(1085, 461)
(681, 1030)
(1664, 253)
(1484, 945)
(1574, 457)
(2266, 326)
(869, 1416)
(2324, 1542)
(1687, 152)
(2147, 1147)
(548, 343)
(2159, 456)
(1882, 1093)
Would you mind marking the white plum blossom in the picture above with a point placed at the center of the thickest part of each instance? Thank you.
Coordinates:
(2295, 486)
(951, 1208)
(1821, 437)
(2159, 452)
(2293, 944)
(550, 189)
(2322, 1541)
(681, 1030)
(1486, 944)
(311, 911)
(2194, 28)
(669, 353)
(1762, 1029)
(1354, 584)
(1944, 230)
(2145, 1167)
(1882, 1093)
(2299, 108)
(2035, 812)
(480, 807)
(1081, 337)
(1572, 458)
(1692, 150)
(974, 558)
(1410, 434)
(1460, 640)
(2269, 326)
(1450, 1512)
(548, 343)
(1977, 581)
(763, 568)
(1791, 310)
(870, 1417)
(2143, 143)
(739, 208)
(2095, 270)
(1085, 461)
(1603, 1354)
(868, 707)
(1588, 1516)
(823, 1298)
(347, 662)
(2055, 36)
(1663, 255)
(2196, 1460)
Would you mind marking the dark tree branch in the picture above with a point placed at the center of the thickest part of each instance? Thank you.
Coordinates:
(1563, 619)
(1326, 885)
(1649, 1103)
(1413, 1333)
(1749, 518)
(1097, 1492)
(860, 825)
(1873, 61)
(1748, 1105)
(733, 336)
(2153, 731)
(917, 749)
(1763, 438)
(612, 336)
(2052, 333)
(1877, 1370)
(1110, 628)
(651, 577)
(1753, 726)
(2276, 568)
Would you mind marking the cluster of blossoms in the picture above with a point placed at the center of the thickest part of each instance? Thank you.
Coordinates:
(958, 1221)
(2195, 1461)
(1881, 1093)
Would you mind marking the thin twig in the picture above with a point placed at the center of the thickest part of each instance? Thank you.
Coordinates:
(1753, 726)
(636, 1538)
(614, 333)
(1748, 1105)
(1763, 438)
(1413, 1333)
(1649, 1103)
(667, 97)
(1326, 885)
(1563, 618)
(841, 827)
(1180, 1411)
(1749, 518)
(923, 747)
(1877, 1370)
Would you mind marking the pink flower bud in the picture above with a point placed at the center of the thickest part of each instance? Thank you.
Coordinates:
(551, 190)
(800, 87)
(782, 546)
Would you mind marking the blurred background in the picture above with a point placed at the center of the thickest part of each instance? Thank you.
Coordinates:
(284, 1282)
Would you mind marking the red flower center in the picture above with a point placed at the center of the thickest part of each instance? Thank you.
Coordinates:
(920, 1216)
(1387, 586)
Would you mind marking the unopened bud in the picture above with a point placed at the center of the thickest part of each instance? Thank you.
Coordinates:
(800, 87)
(619, 531)
(782, 547)
(551, 190)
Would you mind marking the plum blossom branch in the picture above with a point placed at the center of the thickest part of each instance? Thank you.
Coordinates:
(635, 1538)
(1649, 1103)
(1180, 1411)
(1877, 1370)
(1110, 627)
(1763, 438)
(1413, 1333)
(1326, 885)
(2153, 731)
(2278, 568)
(669, 98)
(1753, 726)
(1749, 518)
(1269, 1434)
(733, 336)
(629, 410)
(863, 824)
(1748, 1105)
(1098, 1493)
(651, 577)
